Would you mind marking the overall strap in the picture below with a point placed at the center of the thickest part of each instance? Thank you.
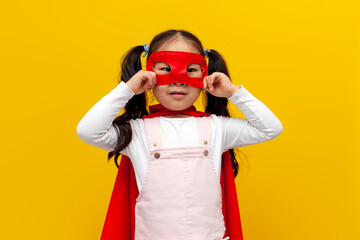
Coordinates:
(152, 127)
(205, 129)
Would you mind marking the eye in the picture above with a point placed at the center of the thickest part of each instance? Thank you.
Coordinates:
(165, 70)
(193, 68)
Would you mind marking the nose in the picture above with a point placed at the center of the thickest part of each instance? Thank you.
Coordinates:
(175, 83)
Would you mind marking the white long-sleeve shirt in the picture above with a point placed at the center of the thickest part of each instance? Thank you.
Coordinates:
(96, 128)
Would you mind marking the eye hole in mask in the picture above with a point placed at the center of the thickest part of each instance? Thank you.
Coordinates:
(192, 70)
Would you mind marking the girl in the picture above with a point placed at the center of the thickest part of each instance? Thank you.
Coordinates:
(176, 175)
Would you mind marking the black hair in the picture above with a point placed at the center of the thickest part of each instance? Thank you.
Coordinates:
(136, 106)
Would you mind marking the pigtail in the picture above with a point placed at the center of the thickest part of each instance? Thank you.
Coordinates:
(218, 105)
(136, 106)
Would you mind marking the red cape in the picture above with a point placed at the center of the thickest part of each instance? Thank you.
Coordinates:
(120, 218)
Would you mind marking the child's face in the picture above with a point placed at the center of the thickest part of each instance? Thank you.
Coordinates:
(177, 96)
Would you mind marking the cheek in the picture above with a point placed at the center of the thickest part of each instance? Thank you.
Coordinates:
(158, 92)
(195, 93)
(155, 92)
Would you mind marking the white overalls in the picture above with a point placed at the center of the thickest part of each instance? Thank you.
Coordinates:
(180, 198)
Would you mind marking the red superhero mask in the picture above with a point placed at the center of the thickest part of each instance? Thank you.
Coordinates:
(178, 62)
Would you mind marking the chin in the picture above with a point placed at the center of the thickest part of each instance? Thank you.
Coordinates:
(176, 107)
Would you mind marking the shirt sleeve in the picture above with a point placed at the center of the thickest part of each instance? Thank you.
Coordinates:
(259, 126)
(96, 127)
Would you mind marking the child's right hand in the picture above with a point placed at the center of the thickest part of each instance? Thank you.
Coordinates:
(141, 81)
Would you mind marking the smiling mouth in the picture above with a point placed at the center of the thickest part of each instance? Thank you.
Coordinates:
(177, 93)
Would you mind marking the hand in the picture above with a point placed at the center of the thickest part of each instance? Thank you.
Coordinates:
(219, 85)
(141, 81)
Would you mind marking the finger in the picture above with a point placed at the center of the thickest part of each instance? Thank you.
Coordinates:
(143, 86)
(207, 83)
(150, 80)
(211, 83)
(216, 78)
(144, 83)
(154, 79)
(145, 78)
(204, 82)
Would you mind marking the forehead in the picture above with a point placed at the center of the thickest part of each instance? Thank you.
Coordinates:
(179, 44)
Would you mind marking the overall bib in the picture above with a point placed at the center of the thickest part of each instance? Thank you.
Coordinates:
(180, 198)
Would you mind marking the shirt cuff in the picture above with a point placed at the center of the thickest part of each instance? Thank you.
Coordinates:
(241, 93)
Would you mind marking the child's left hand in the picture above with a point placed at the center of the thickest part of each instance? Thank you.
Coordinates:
(219, 85)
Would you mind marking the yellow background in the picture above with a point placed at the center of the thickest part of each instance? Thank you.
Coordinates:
(300, 58)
